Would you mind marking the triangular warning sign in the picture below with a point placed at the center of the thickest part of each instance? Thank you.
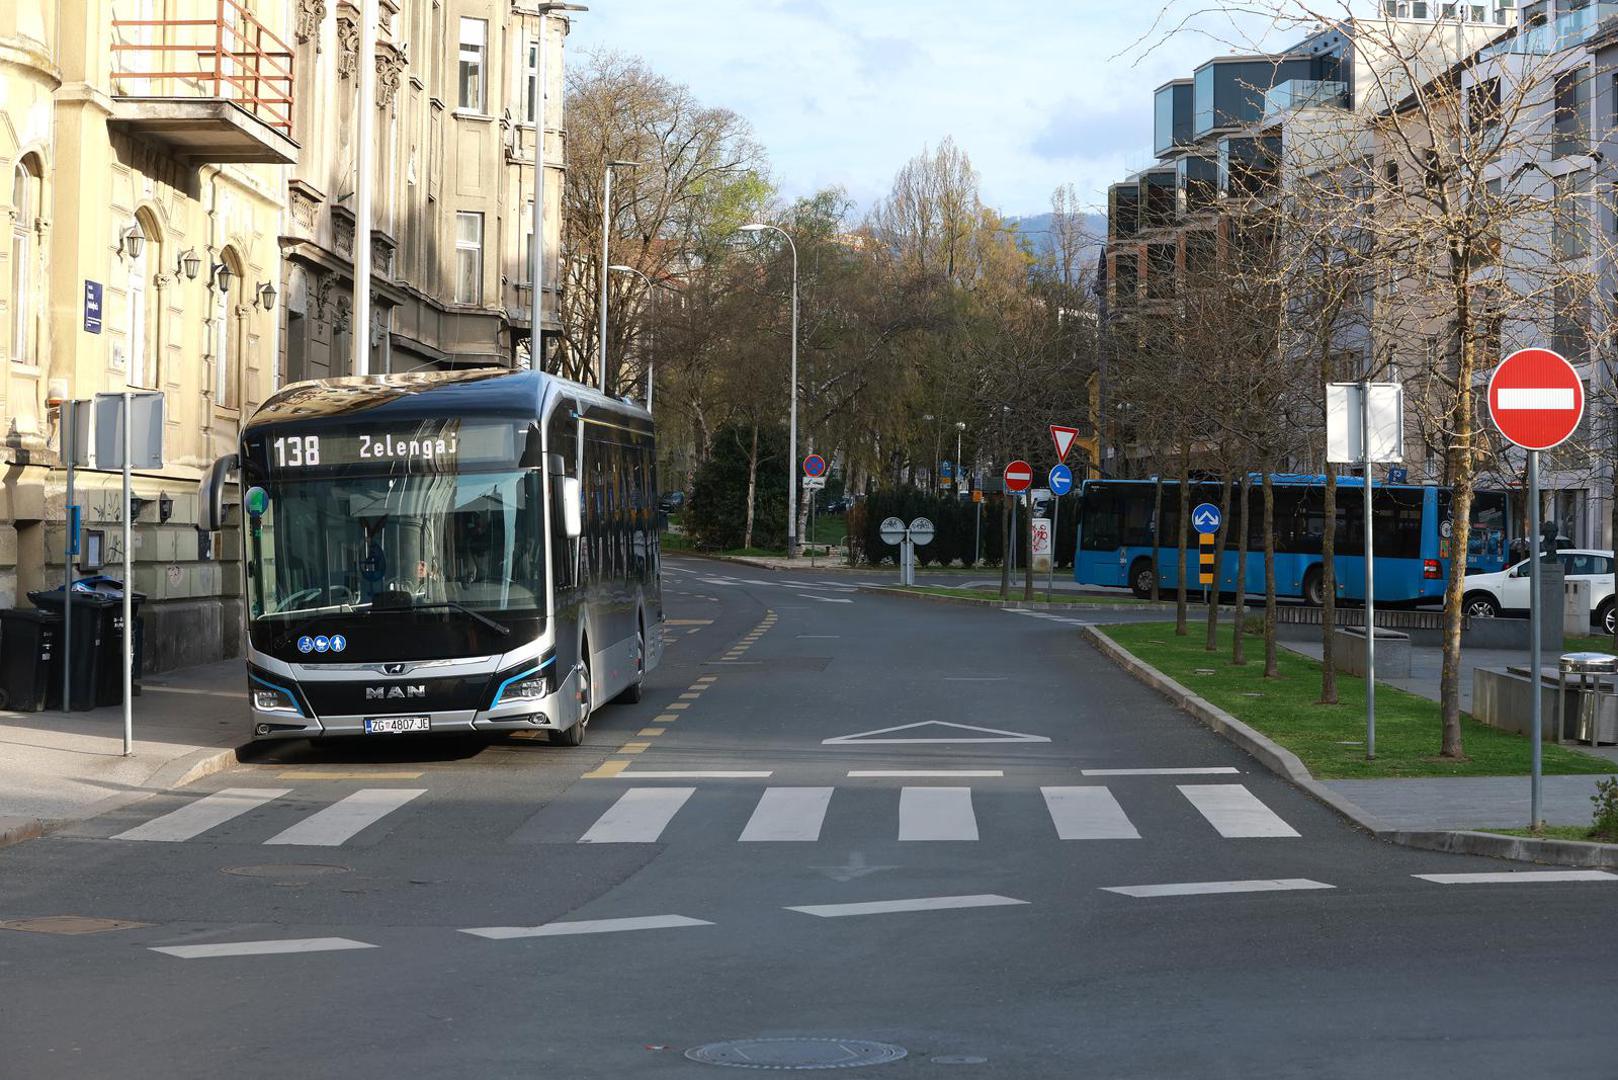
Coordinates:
(974, 735)
(1063, 438)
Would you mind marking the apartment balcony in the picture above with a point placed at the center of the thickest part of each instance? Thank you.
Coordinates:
(214, 89)
(1295, 94)
(1545, 37)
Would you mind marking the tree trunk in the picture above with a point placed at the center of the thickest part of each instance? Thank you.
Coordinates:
(1271, 670)
(752, 489)
(1157, 538)
(1238, 630)
(1219, 564)
(1185, 524)
(1461, 481)
(1328, 592)
(805, 498)
(1028, 563)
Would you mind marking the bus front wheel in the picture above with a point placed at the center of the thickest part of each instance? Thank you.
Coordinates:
(1314, 589)
(1142, 578)
(574, 736)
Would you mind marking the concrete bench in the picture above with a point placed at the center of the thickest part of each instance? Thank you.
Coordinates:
(1501, 698)
(1392, 652)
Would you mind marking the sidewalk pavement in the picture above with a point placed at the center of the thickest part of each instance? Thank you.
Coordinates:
(60, 767)
(1464, 802)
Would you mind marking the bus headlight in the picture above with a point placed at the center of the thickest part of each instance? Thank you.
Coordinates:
(267, 698)
(528, 685)
(527, 690)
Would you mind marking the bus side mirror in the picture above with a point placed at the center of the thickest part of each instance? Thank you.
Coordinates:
(571, 523)
(211, 493)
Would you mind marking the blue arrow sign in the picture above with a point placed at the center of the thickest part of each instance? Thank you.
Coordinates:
(1061, 480)
(1205, 518)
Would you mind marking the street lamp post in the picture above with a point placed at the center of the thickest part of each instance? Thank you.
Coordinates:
(606, 224)
(536, 326)
(620, 268)
(960, 426)
(792, 430)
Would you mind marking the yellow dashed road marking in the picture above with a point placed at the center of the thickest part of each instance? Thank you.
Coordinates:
(647, 732)
(357, 774)
(680, 705)
(607, 771)
(634, 747)
(666, 718)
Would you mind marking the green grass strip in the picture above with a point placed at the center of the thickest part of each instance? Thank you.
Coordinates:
(1329, 739)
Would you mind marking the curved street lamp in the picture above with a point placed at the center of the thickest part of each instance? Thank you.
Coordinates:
(621, 268)
(792, 451)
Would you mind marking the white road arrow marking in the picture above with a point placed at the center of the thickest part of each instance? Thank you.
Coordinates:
(983, 734)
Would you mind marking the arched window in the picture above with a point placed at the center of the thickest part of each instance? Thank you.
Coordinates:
(144, 308)
(227, 329)
(24, 302)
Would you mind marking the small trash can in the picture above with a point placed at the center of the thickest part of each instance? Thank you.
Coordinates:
(29, 668)
(1595, 723)
(98, 628)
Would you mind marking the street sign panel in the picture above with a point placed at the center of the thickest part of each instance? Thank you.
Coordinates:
(1061, 479)
(145, 430)
(1399, 476)
(892, 530)
(814, 465)
(1349, 408)
(1205, 519)
(1536, 399)
(946, 469)
(1019, 476)
(92, 307)
(813, 483)
(921, 531)
(1064, 438)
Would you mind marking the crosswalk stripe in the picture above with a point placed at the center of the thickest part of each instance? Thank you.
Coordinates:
(638, 817)
(889, 907)
(788, 813)
(585, 926)
(1203, 888)
(1235, 811)
(261, 948)
(937, 813)
(1223, 770)
(1516, 877)
(1087, 813)
(202, 815)
(342, 819)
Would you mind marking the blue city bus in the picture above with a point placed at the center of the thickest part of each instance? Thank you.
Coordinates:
(1411, 531)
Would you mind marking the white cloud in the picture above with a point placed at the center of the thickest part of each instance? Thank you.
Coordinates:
(1037, 92)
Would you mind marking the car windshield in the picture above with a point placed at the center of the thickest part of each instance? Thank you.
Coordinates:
(473, 539)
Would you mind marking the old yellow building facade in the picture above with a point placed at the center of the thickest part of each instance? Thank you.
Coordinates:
(176, 179)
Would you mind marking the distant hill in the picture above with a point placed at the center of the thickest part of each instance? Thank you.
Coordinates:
(1037, 229)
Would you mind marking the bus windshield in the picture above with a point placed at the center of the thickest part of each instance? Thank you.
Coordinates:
(474, 540)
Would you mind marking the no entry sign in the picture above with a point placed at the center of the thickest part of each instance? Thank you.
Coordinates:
(1536, 399)
(1019, 476)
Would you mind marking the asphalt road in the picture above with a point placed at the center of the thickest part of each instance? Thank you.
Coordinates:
(510, 909)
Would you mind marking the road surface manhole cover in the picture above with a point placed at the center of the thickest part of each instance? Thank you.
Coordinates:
(285, 873)
(796, 1053)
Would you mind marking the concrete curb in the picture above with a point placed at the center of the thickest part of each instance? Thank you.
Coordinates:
(1008, 605)
(1283, 762)
(187, 769)
(760, 564)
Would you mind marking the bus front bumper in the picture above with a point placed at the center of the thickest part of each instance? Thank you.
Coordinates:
(556, 711)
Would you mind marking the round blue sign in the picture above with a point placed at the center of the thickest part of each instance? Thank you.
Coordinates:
(1205, 519)
(1061, 480)
(322, 643)
(338, 643)
(306, 644)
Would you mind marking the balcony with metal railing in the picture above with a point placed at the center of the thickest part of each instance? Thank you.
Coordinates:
(214, 88)
(1297, 94)
(1548, 36)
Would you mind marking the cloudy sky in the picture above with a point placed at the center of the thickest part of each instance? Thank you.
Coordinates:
(1039, 92)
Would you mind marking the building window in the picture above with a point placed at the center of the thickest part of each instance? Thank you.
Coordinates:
(227, 329)
(1572, 127)
(468, 258)
(531, 81)
(474, 47)
(1484, 105)
(1570, 226)
(25, 192)
(1390, 172)
(1570, 321)
(143, 307)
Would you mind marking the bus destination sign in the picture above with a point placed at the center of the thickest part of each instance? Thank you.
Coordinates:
(427, 446)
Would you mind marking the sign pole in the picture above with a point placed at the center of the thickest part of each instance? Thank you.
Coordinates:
(129, 591)
(1535, 617)
(1370, 576)
(70, 425)
(1050, 567)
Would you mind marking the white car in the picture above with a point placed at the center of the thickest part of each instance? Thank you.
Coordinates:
(1488, 595)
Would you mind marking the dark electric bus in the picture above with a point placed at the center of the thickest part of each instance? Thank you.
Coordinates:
(444, 552)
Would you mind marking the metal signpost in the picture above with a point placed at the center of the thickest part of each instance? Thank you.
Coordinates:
(1536, 399)
(1365, 427)
(75, 451)
(1061, 482)
(129, 434)
(892, 530)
